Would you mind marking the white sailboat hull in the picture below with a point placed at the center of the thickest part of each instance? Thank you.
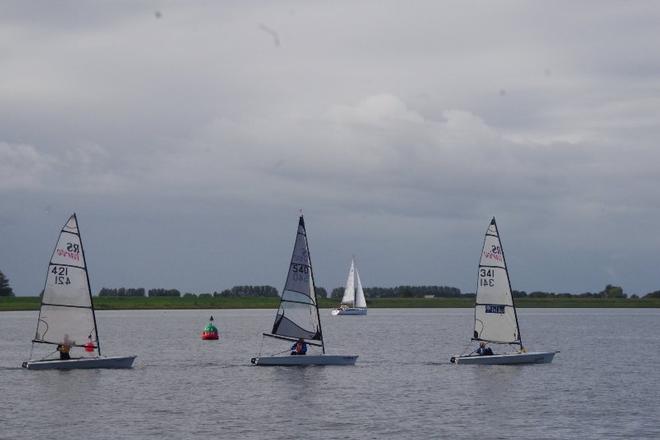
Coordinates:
(81, 363)
(349, 311)
(534, 357)
(322, 359)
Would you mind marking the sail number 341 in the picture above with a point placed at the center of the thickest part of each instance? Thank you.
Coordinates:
(487, 277)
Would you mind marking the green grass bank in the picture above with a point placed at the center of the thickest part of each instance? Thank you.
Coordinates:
(110, 303)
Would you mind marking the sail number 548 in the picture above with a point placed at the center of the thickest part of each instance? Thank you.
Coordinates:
(300, 272)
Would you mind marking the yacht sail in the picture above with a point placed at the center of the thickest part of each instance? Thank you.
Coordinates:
(360, 300)
(349, 290)
(353, 302)
(66, 312)
(297, 316)
(66, 317)
(495, 318)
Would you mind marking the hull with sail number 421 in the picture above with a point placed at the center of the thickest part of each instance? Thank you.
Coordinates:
(81, 363)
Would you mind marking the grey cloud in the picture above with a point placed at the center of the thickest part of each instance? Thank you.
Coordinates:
(384, 122)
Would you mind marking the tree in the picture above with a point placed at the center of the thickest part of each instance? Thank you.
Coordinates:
(243, 291)
(655, 294)
(337, 293)
(612, 292)
(164, 292)
(5, 288)
(122, 292)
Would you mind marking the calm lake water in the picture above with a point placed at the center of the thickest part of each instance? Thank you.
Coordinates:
(605, 383)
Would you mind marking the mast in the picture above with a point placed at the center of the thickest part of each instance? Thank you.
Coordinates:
(311, 270)
(89, 287)
(506, 270)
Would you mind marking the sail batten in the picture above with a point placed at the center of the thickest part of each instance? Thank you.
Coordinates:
(297, 316)
(495, 318)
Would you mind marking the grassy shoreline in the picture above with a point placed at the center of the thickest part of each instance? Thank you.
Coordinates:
(110, 303)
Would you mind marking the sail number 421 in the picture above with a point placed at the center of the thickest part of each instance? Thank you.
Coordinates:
(487, 277)
(61, 274)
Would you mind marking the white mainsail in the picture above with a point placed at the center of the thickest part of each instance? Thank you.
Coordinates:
(67, 313)
(349, 290)
(495, 318)
(297, 316)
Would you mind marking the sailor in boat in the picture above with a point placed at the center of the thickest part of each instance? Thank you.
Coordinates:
(299, 348)
(483, 350)
(64, 348)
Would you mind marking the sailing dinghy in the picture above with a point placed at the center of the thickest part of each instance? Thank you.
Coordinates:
(495, 318)
(353, 301)
(298, 315)
(67, 318)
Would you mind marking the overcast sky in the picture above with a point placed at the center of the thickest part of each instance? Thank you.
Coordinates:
(187, 135)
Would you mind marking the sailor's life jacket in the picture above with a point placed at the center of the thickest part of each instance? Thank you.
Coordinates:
(299, 347)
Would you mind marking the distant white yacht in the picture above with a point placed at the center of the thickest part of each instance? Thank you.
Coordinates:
(353, 301)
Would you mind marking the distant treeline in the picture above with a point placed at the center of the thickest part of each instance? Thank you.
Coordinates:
(406, 292)
(236, 291)
(122, 291)
(248, 291)
(610, 291)
(138, 292)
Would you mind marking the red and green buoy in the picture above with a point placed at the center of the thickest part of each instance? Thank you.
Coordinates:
(210, 332)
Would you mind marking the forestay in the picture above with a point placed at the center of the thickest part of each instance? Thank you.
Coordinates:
(297, 316)
(66, 314)
(495, 318)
